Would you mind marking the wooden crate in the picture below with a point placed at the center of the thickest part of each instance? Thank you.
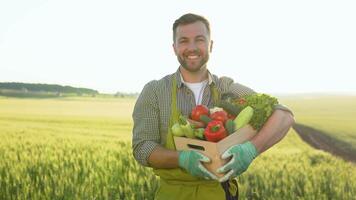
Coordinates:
(214, 150)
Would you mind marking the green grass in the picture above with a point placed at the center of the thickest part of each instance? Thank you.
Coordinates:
(69, 148)
(335, 115)
(71, 117)
(293, 170)
(79, 148)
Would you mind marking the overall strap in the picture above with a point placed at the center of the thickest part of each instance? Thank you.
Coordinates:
(215, 94)
(174, 115)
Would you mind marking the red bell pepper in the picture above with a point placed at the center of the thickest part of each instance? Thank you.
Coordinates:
(219, 116)
(215, 131)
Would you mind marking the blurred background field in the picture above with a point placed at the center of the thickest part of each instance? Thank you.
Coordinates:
(335, 115)
(80, 148)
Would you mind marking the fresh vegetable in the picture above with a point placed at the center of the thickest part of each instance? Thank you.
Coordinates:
(215, 131)
(262, 105)
(244, 117)
(219, 116)
(186, 127)
(230, 126)
(198, 111)
(196, 124)
(205, 119)
(230, 116)
(230, 108)
(220, 121)
(199, 133)
(215, 109)
(177, 130)
(241, 101)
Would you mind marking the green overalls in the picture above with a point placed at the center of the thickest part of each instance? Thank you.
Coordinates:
(177, 183)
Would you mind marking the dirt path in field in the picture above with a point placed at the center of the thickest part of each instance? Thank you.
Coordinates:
(320, 140)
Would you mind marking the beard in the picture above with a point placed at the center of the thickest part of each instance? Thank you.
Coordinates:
(195, 67)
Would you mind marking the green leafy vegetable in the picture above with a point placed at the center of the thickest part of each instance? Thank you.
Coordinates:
(262, 105)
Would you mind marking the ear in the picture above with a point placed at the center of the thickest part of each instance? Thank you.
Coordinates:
(174, 48)
(211, 46)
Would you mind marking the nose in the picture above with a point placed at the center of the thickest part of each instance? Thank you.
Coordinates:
(192, 46)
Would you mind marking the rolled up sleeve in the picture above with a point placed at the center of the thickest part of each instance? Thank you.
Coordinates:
(146, 136)
(228, 85)
(283, 107)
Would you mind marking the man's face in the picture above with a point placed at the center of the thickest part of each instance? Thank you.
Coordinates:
(192, 46)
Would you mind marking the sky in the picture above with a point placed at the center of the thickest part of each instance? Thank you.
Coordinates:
(273, 46)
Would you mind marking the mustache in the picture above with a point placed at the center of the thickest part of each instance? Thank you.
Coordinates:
(191, 52)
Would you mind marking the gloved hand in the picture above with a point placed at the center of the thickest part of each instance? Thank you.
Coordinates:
(242, 156)
(191, 161)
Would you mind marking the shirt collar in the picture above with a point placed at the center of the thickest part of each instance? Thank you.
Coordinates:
(180, 81)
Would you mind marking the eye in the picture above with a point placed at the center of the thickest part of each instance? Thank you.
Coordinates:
(200, 39)
(182, 41)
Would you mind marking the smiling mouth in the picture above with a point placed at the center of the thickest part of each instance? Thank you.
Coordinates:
(192, 57)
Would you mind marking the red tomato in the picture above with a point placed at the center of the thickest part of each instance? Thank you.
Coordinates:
(242, 101)
(230, 116)
(198, 111)
(219, 116)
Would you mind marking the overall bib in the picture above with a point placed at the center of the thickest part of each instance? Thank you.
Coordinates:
(176, 183)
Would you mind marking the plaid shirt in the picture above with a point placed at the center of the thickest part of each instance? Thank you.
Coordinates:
(153, 109)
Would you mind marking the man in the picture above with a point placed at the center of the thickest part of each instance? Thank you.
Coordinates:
(182, 175)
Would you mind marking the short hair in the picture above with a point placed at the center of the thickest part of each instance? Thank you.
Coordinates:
(189, 18)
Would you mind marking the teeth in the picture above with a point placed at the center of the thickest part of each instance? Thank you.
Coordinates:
(193, 57)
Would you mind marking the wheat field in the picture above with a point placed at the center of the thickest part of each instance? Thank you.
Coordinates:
(80, 148)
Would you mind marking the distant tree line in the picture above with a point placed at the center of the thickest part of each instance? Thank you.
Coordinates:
(51, 88)
(124, 94)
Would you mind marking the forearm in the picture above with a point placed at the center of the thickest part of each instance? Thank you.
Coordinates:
(273, 131)
(163, 158)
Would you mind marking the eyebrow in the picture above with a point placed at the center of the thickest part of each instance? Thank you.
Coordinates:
(184, 38)
(201, 36)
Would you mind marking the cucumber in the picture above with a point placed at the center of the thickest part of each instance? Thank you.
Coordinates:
(230, 108)
(244, 117)
(230, 126)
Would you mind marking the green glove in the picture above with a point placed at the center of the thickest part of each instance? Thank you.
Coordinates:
(242, 156)
(191, 161)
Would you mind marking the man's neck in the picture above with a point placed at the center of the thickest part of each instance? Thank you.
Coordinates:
(194, 77)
